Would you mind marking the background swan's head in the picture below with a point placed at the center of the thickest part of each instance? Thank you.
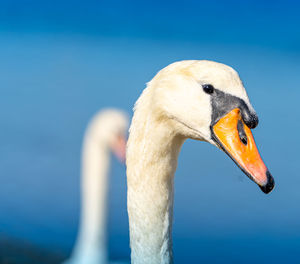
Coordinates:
(206, 100)
(108, 129)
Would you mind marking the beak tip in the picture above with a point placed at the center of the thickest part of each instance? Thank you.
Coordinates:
(269, 186)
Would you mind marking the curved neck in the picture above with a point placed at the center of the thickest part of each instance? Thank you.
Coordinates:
(151, 163)
(91, 242)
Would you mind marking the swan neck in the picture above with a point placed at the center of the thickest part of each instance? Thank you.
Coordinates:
(91, 242)
(152, 154)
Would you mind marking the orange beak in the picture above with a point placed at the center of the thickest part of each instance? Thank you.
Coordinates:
(119, 148)
(236, 139)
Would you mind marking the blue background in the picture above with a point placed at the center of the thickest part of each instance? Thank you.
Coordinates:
(61, 61)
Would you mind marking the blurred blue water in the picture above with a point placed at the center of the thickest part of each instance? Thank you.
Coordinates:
(54, 80)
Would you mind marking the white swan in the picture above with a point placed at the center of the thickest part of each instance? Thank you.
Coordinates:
(202, 100)
(105, 133)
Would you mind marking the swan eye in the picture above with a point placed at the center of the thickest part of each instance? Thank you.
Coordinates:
(208, 88)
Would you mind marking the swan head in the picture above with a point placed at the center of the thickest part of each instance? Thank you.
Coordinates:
(207, 101)
(108, 129)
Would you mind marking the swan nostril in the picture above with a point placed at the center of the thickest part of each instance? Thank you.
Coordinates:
(244, 140)
(242, 133)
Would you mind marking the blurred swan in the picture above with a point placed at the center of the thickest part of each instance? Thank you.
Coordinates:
(106, 133)
(202, 100)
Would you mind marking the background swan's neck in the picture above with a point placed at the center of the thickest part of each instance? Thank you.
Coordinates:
(151, 163)
(91, 242)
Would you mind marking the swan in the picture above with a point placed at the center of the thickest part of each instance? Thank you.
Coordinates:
(202, 100)
(105, 133)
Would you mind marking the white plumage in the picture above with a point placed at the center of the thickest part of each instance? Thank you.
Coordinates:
(171, 109)
(105, 133)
